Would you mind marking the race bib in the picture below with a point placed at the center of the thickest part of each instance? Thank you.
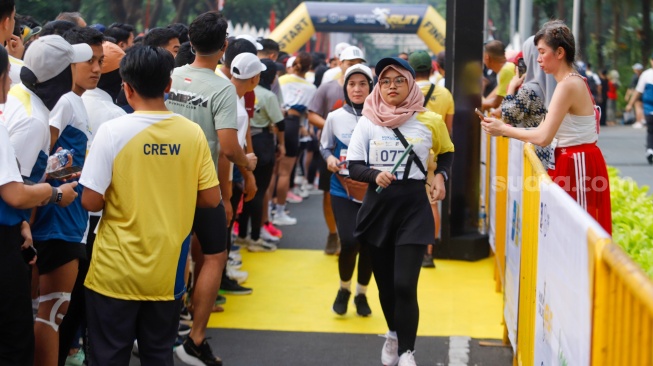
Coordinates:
(384, 155)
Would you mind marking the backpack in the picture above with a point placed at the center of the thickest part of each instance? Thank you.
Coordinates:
(593, 86)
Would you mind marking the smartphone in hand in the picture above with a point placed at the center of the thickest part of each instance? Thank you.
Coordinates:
(521, 67)
(479, 113)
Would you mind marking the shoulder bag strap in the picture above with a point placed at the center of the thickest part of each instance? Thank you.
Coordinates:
(412, 157)
(427, 97)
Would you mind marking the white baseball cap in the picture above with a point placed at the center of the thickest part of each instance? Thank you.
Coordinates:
(290, 61)
(253, 40)
(359, 69)
(352, 53)
(339, 48)
(246, 66)
(638, 67)
(48, 56)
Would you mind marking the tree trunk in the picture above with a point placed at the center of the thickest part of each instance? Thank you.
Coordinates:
(117, 10)
(646, 31)
(616, 19)
(581, 42)
(75, 5)
(182, 11)
(562, 11)
(155, 13)
(599, 35)
(133, 11)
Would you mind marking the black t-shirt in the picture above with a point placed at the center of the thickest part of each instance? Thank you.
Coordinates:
(633, 81)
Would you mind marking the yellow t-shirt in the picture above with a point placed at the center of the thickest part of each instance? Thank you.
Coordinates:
(440, 141)
(149, 166)
(441, 100)
(506, 74)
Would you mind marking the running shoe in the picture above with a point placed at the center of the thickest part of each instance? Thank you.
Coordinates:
(332, 245)
(235, 248)
(362, 307)
(265, 235)
(407, 359)
(234, 263)
(183, 329)
(649, 156)
(236, 275)
(310, 188)
(389, 356)
(193, 355)
(342, 299)
(272, 230)
(282, 219)
(231, 287)
(76, 359)
(261, 245)
(185, 315)
(220, 300)
(292, 198)
(300, 192)
(638, 125)
(241, 242)
(427, 261)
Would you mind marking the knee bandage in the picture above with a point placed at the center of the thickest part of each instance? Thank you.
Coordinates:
(61, 298)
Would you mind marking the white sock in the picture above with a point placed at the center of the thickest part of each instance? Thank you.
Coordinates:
(392, 334)
(360, 289)
(281, 209)
(345, 285)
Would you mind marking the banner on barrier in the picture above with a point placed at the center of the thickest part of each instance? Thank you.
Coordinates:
(491, 165)
(513, 237)
(563, 309)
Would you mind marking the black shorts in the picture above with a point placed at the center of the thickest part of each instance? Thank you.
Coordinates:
(52, 254)
(210, 226)
(291, 136)
(324, 184)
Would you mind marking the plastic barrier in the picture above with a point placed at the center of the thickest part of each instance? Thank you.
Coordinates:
(578, 298)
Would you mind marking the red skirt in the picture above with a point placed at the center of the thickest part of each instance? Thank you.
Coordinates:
(581, 171)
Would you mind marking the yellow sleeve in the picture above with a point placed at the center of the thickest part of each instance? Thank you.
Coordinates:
(506, 74)
(208, 177)
(441, 142)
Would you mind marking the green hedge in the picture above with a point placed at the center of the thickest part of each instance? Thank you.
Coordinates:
(632, 219)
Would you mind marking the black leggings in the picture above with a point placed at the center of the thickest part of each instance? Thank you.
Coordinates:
(396, 271)
(263, 145)
(345, 212)
(649, 131)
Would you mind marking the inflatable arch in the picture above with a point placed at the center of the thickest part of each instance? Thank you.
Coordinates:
(311, 17)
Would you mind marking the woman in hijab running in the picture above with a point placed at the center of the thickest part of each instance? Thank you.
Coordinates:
(346, 194)
(397, 223)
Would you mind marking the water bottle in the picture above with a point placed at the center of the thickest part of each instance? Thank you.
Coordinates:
(59, 160)
(481, 221)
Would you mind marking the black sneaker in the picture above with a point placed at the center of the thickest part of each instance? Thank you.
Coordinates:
(231, 287)
(340, 305)
(362, 308)
(649, 156)
(191, 354)
(427, 262)
(220, 300)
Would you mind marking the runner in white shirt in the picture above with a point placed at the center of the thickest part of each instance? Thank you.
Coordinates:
(397, 223)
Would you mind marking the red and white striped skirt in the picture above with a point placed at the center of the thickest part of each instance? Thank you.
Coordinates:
(581, 171)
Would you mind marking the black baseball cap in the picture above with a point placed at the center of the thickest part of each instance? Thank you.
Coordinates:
(393, 61)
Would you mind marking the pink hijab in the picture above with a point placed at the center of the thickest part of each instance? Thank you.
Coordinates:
(383, 114)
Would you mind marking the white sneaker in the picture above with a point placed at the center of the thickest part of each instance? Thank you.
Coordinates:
(282, 219)
(407, 359)
(234, 263)
(265, 235)
(235, 256)
(299, 191)
(237, 275)
(638, 125)
(389, 356)
(299, 179)
(242, 242)
(261, 246)
(310, 189)
(291, 198)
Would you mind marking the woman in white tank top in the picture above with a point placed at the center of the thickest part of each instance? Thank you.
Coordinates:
(571, 126)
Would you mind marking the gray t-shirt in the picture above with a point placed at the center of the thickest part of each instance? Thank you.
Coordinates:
(267, 109)
(329, 97)
(206, 99)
